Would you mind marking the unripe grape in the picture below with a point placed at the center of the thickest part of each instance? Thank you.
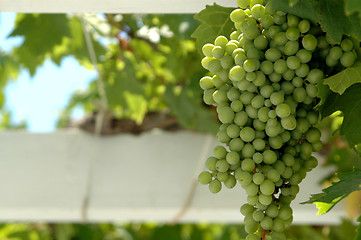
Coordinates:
(215, 186)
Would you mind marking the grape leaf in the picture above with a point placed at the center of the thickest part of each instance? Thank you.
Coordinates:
(341, 81)
(349, 182)
(352, 6)
(42, 33)
(329, 14)
(215, 21)
(350, 104)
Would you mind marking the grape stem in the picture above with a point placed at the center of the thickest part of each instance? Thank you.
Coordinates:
(264, 234)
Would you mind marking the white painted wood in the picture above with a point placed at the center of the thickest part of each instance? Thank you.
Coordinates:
(109, 6)
(136, 178)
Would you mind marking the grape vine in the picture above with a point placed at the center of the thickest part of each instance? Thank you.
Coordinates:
(263, 83)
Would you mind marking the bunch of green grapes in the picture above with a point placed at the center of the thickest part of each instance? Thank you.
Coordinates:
(264, 86)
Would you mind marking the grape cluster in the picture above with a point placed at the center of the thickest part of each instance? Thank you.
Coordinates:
(264, 86)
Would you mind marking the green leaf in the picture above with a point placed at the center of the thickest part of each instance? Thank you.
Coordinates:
(215, 21)
(352, 6)
(341, 81)
(350, 104)
(124, 92)
(42, 33)
(329, 14)
(349, 182)
(189, 111)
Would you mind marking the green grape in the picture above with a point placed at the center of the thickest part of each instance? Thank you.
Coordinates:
(233, 158)
(237, 73)
(211, 163)
(208, 96)
(222, 165)
(230, 182)
(248, 165)
(348, 58)
(251, 31)
(273, 175)
(258, 11)
(222, 176)
(258, 215)
(272, 211)
(304, 26)
(236, 105)
(258, 178)
(289, 123)
(304, 55)
(311, 90)
(283, 110)
(246, 209)
(253, 200)
(207, 50)
(233, 130)
(266, 67)
(278, 225)
(248, 150)
(292, 33)
(251, 189)
(266, 91)
(217, 81)
(277, 98)
(206, 83)
(267, 21)
(285, 212)
(266, 223)
(288, 159)
(260, 42)
(241, 118)
(205, 177)
(244, 178)
(227, 62)
(269, 157)
(237, 15)
(265, 200)
(335, 53)
(346, 45)
(243, 3)
(220, 152)
(291, 48)
(259, 144)
(218, 52)
(275, 142)
(226, 115)
(317, 146)
(280, 167)
(247, 134)
(280, 66)
(215, 186)
(303, 70)
(236, 144)
(309, 42)
(273, 54)
(257, 157)
(251, 111)
(220, 96)
(299, 94)
(221, 41)
(251, 65)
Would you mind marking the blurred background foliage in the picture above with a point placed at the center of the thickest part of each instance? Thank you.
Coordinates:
(152, 231)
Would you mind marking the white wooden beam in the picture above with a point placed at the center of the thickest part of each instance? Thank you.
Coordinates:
(135, 178)
(109, 6)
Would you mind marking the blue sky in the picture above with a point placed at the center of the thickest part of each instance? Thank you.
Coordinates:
(39, 99)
